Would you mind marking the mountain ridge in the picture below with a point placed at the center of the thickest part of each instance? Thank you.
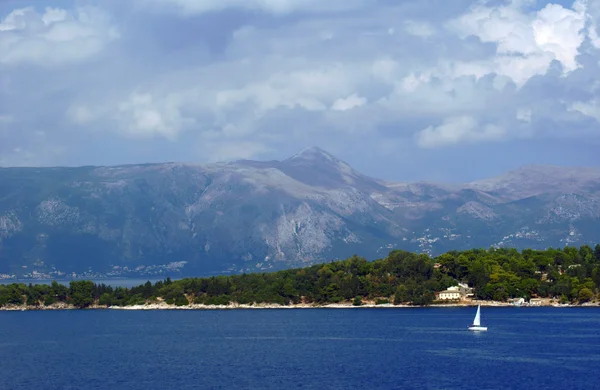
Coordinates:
(242, 216)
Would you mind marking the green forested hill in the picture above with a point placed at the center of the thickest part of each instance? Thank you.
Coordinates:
(569, 275)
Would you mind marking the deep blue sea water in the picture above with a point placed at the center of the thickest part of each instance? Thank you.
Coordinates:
(417, 348)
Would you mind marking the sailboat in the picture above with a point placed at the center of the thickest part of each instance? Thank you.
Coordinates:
(477, 321)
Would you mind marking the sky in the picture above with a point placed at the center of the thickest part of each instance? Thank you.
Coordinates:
(401, 90)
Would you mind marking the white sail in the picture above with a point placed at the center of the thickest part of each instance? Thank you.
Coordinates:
(477, 320)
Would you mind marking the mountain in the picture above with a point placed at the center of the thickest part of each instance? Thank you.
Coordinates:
(535, 180)
(243, 216)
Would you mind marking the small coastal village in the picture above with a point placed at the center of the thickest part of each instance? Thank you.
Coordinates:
(117, 271)
(463, 295)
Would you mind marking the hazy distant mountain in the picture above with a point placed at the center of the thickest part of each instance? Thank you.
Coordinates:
(247, 215)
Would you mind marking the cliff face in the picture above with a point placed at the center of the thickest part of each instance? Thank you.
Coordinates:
(157, 219)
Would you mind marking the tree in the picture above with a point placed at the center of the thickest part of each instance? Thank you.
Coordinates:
(479, 273)
(33, 296)
(81, 293)
(59, 291)
(147, 291)
(401, 295)
(14, 294)
(105, 299)
(585, 294)
(529, 286)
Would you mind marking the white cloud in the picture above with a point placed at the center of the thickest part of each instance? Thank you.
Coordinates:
(561, 31)
(385, 70)
(145, 115)
(81, 115)
(419, 28)
(291, 72)
(594, 23)
(524, 114)
(310, 89)
(191, 7)
(456, 130)
(54, 37)
(271, 82)
(526, 43)
(594, 37)
(348, 103)
(590, 108)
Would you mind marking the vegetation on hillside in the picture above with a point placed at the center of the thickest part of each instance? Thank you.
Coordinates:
(569, 275)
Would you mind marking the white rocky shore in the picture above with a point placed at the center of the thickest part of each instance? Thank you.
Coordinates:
(194, 306)
(233, 306)
(348, 305)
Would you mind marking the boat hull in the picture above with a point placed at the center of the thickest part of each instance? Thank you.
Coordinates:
(478, 328)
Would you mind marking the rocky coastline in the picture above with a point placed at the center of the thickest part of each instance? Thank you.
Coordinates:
(234, 306)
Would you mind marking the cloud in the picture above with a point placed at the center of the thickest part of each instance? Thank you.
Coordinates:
(526, 43)
(295, 89)
(55, 36)
(144, 115)
(457, 130)
(291, 74)
(81, 115)
(590, 108)
(194, 7)
(419, 28)
(594, 23)
(216, 80)
(524, 115)
(348, 103)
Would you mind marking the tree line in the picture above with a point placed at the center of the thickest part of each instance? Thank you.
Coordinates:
(569, 274)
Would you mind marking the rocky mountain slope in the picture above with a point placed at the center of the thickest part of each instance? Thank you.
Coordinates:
(158, 219)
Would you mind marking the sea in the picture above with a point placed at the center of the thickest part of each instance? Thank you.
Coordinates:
(354, 348)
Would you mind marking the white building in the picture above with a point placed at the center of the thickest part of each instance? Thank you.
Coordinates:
(517, 301)
(452, 293)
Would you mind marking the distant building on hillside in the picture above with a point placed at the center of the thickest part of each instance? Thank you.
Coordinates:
(459, 292)
(468, 291)
(449, 295)
(452, 293)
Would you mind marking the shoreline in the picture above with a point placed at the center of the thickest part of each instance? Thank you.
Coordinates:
(235, 306)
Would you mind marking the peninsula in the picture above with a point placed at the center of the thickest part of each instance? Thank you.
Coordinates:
(568, 276)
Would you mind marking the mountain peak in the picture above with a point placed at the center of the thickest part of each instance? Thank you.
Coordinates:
(313, 153)
(314, 166)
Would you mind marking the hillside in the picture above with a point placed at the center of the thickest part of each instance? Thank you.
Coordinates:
(571, 275)
(182, 220)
